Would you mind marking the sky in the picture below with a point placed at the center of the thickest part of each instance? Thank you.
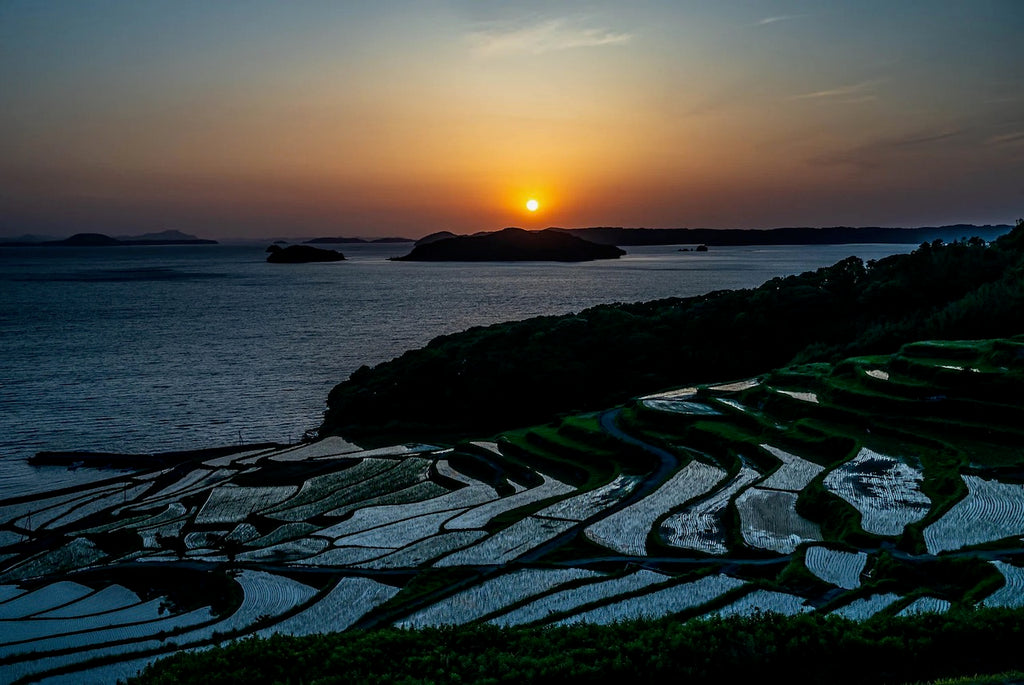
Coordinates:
(398, 118)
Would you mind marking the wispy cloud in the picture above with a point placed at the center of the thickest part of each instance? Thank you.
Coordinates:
(859, 91)
(547, 36)
(1015, 138)
(777, 19)
(874, 153)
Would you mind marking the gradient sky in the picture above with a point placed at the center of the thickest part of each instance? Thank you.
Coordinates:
(255, 118)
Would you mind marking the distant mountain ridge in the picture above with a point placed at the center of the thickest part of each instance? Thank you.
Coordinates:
(834, 235)
(103, 240)
(169, 234)
(434, 237)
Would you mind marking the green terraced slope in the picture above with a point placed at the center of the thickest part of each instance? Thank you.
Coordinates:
(878, 486)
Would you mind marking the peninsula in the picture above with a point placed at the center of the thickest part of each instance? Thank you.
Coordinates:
(804, 235)
(512, 245)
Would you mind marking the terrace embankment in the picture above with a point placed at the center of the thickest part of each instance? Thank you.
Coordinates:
(835, 490)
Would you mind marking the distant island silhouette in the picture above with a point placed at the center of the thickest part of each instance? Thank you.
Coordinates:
(103, 240)
(342, 240)
(834, 235)
(434, 237)
(301, 254)
(512, 245)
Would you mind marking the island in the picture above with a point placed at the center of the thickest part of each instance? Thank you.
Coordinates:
(103, 240)
(301, 254)
(512, 245)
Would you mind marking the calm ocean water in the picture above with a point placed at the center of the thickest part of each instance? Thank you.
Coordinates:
(155, 348)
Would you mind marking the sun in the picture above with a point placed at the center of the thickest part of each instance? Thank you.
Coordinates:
(532, 205)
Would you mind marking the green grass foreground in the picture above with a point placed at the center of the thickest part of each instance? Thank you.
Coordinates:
(761, 649)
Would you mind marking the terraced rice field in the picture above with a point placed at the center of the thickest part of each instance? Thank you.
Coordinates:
(565, 601)
(327, 536)
(232, 504)
(319, 487)
(492, 595)
(1012, 593)
(699, 526)
(661, 602)
(387, 476)
(765, 601)
(738, 386)
(591, 502)
(769, 521)
(679, 406)
(626, 530)
(990, 511)
(397, 534)
(801, 395)
(678, 394)
(865, 608)
(77, 554)
(886, 491)
(427, 549)
(345, 604)
(794, 474)
(842, 569)
(509, 544)
(480, 516)
(925, 605)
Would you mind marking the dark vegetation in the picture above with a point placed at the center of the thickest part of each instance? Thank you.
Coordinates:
(434, 237)
(760, 649)
(527, 372)
(301, 254)
(511, 245)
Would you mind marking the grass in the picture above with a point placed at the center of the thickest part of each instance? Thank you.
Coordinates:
(1008, 678)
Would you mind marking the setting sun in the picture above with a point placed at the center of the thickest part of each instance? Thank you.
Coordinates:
(532, 205)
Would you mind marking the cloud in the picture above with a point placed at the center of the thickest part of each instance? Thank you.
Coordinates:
(775, 20)
(874, 153)
(858, 92)
(547, 36)
(1015, 138)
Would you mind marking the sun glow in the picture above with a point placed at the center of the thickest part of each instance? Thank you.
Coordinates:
(532, 205)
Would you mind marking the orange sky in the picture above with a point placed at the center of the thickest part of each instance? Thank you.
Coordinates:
(253, 119)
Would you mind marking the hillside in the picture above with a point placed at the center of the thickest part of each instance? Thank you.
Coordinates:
(874, 502)
(513, 374)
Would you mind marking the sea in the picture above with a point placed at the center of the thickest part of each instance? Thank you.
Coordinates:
(149, 349)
